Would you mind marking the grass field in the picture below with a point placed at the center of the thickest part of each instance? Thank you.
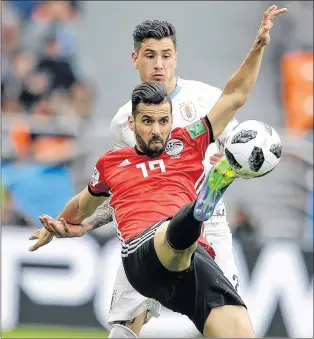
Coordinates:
(35, 331)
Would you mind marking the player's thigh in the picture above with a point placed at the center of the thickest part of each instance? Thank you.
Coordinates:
(128, 306)
(228, 321)
(213, 289)
(171, 259)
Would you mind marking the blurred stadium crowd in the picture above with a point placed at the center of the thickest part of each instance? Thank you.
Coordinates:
(45, 98)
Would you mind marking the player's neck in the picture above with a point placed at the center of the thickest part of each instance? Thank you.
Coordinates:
(172, 85)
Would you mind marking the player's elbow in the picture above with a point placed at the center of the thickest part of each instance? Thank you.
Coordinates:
(237, 100)
(233, 101)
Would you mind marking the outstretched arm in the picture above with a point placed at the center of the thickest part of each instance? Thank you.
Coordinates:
(75, 212)
(242, 81)
(62, 229)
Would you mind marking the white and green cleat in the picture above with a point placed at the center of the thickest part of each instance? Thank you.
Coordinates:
(215, 184)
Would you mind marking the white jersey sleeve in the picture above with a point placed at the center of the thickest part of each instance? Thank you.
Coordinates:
(119, 128)
(210, 99)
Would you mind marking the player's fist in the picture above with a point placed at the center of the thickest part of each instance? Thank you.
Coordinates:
(263, 36)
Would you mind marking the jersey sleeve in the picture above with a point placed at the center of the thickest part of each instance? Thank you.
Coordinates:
(201, 134)
(97, 185)
(120, 131)
(227, 131)
(211, 95)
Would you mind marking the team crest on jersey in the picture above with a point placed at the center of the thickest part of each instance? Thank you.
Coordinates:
(188, 111)
(95, 177)
(174, 147)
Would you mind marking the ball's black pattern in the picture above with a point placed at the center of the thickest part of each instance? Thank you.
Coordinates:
(276, 150)
(243, 137)
(231, 159)
(256, 159)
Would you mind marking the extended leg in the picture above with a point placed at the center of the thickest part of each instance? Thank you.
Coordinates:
(175, 241)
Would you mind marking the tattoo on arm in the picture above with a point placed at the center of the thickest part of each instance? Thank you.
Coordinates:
(101, 216)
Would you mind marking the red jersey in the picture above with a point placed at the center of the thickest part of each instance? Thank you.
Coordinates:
(146, 190)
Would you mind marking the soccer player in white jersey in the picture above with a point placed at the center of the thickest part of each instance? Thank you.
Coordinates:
(155, 57)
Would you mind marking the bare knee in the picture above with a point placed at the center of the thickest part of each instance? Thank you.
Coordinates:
(170, 258)
(134, 325)
(228, 322)
(137, 324)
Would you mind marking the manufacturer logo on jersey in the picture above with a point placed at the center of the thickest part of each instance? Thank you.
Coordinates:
(125, 163)
(188, 111)
(174, 147)
(95, 177)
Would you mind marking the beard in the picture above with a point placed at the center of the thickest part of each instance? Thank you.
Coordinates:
(149, 149)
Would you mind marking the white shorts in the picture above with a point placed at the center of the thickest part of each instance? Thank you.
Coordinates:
(127, 303)
(222, 244)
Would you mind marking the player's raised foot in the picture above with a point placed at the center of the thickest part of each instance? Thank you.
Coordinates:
(216, 182)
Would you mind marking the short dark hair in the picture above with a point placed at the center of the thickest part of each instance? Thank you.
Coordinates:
(154, 29)
(149, 93)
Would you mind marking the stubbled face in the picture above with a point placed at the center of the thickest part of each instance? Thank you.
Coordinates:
(152, 126)
(156, 60)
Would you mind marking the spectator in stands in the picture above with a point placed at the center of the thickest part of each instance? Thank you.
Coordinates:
(73, 95)
(53, 17)
(58, 68)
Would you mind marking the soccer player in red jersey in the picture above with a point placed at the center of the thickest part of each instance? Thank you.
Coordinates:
(158, 213)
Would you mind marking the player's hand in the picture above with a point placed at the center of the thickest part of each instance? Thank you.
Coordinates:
(43, 236)
(60, 228)
(263, 36)
(215, 157)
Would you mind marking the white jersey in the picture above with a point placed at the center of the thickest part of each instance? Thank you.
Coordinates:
(191, 100)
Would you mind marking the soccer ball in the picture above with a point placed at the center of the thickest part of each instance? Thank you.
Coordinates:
(253, 149)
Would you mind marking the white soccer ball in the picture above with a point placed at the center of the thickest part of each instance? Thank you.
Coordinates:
(253, 149)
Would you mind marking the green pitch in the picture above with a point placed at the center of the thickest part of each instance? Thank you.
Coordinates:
(41, 331)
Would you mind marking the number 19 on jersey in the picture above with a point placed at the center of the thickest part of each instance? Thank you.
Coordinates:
(152, 166)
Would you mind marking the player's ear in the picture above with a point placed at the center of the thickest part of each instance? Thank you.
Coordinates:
(132, 123)
(134, 59)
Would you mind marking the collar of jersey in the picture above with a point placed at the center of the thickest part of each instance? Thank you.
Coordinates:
(175, 92)
(137, 151)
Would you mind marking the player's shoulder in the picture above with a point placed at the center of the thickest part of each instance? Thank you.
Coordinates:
(199, 86)
(112, 156)
(122, 114)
